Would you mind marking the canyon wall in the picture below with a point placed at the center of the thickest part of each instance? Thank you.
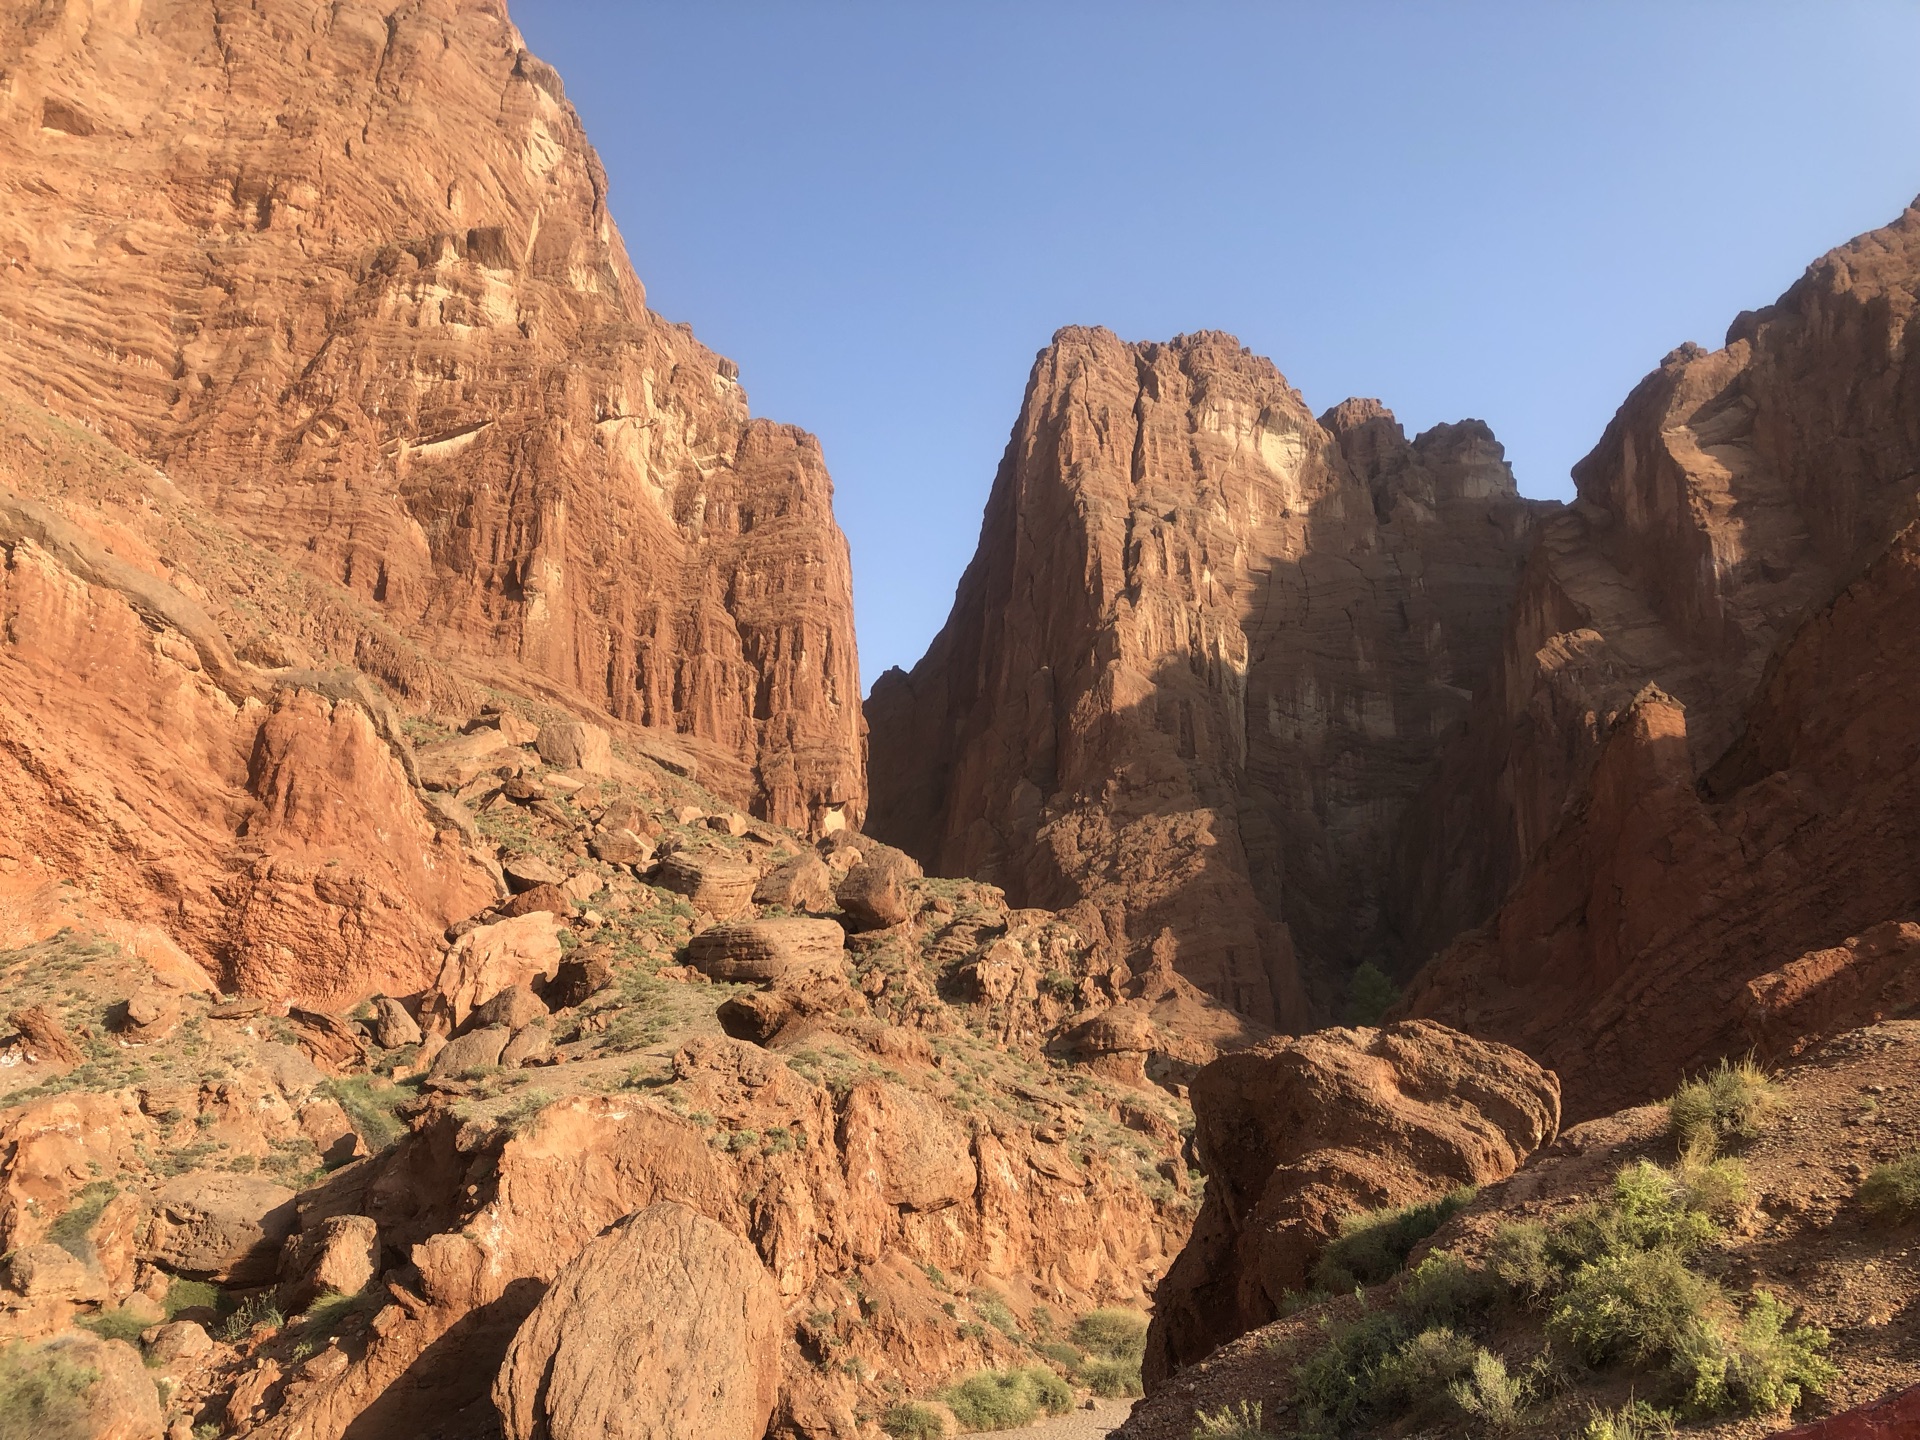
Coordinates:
(1203, 657)
(345, 274)
(1699, 747)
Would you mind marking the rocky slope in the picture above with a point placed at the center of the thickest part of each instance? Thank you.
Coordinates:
(345, 273)
(1202, 660)
(826, 1075)
(1702, 726)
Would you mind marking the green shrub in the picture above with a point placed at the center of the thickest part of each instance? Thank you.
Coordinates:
(1112, 1334)
(1715, 1188)
(1374, 1246)
(1004, 1399)
(1636, 1420)
(1231, 1422)
(116, 1324)
(1370, 994)
(1731, 1102)
(908, 1421)
(1443, 1288)
(1419, 1373)
(190, 1295)
(1068, 1357)
(1648, 1210)
(71, 1232)
(1335, 1385)
(42, 1396)
(1112, 1379)
(1891, 1193)
(1633, 1308)
(1520, 1255)
(1489, 1394)
(257, 1313)
(371, 1110)
(1763, 1367)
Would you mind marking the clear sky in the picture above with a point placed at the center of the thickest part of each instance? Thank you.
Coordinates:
(883, 208)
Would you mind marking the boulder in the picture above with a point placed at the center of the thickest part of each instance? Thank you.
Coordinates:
(176, 1343)
(121, 1403)
(45, 1038)
(875, 892)
(576, 745)
(449, 812)
(523, 872)
(511, 728)
(541, 899)
(764, 950)
(532, 1044)
(904, 1149)
(456, 763)
(219, 1226)
(720, 886)
(802, 883)
(151, 1014)
(1297, 1134)
(731, 823)
(761, 1015)
(580, 977)
(620, 847)
(340, 1255)
(668, 1325)
(513, 1007)
(489, 959)
(48, 1272)
(475, 1050)
(393, 1026)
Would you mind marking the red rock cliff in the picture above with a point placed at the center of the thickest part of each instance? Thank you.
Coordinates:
(1202, 658)
(346, 272)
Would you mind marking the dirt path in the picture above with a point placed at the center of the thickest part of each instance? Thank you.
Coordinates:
(1093, 1424)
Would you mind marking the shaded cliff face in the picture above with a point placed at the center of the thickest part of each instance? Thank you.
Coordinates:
(346, 273)
(1701, 754)
(1203, 656)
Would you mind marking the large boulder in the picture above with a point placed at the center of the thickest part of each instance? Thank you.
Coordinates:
(666, 1326)
(221, 1226)
(764, 951)
(454, 764)
(875, 893)
(802, 883)
(489, 959)
(1297, 1134)
(338, 1256)
(576, 745)
(720, 886)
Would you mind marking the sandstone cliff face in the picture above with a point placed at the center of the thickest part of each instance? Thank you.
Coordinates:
(1734, 493)
(346, 272)
(1704, 765)
(1203, 657)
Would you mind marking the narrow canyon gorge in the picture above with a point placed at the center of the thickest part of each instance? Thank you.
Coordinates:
(1317, 939)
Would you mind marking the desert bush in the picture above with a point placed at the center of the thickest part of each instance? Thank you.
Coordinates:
(115, 1324)
(190, 1295)
(1491, 1395)
(1419, 1373)
(1112, 1379)
(1112, 1334)
(1716, 1188)
(71, 1231)
(908, 1421)
(1762, 1367)
(1442, 1289)
(1374, 1246)
(42, 1396)
(257, 1313)
(1335, 1384)
(1633, 1308)
(1231, 1422)
(1636, 1420)
(1370, 994)
(1004, 1399)
(1891, 1193)
(1731, 1102)
(371, 1110)
(1520, 1255)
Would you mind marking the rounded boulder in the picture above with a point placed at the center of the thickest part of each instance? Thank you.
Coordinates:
(666, 1326)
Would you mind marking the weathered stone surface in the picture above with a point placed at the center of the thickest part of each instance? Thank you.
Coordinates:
(339, 1256)
(715, 884)
(1202, 660)
(532, 1044)
(475, 1050)
(512, 1007)
(766, 950)
(670, 1325)
(876, 893)
(904, 1150)
(626, 534)
(802, 883)
(1889, 1419)
(121, 1403)
(221, 1226)
(492, 958)
(454, 764)
(393, 1025)
(579, 978)
(1295, 1135)
(523, 872)
(576, 745)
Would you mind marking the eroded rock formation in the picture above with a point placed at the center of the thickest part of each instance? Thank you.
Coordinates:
(1204, 656)
(1296, 1135)
(345, 271)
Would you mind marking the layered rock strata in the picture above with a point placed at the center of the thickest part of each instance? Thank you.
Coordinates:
(1202, 659)
(346, 272)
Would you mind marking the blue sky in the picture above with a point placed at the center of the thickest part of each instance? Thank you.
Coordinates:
(1509, 211)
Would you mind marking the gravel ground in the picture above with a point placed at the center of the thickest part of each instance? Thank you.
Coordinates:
(1094, 1424)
